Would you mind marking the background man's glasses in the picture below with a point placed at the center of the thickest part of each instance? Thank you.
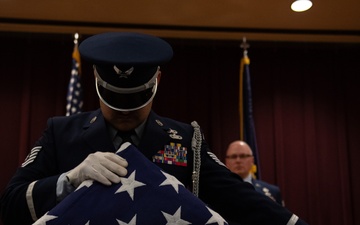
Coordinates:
(241, 156)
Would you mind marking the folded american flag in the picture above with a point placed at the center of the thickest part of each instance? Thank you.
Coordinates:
(147, 195)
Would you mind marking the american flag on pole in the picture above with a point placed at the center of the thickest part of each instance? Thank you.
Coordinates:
(247, 126)
(74, 99)
(146, 196)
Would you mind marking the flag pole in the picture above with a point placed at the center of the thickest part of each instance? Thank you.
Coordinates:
(76, 54)
(244, 45)
(247, 129)
(76, 38)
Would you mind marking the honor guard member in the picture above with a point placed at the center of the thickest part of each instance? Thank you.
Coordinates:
(79, 147)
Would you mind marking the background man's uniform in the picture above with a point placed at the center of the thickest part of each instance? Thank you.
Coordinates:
(269, 190)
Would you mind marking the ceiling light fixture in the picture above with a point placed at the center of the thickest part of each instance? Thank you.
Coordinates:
(301, 5)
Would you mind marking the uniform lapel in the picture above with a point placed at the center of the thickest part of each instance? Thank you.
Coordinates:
(95, 133)
(256, 184)
(154, 136)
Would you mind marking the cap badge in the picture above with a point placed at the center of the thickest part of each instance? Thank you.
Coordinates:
(124, 74)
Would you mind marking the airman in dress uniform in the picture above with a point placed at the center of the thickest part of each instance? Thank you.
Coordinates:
(80, 147)
(240, 160)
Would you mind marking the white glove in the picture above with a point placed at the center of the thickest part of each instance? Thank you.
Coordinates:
(104, 167)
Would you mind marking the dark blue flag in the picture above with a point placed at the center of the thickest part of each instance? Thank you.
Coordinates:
(74, 99)
(247, 126)
(147, 195)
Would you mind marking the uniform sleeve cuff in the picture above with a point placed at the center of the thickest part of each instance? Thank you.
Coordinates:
(63, 187)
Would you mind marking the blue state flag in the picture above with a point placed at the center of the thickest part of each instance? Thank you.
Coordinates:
(146, 196)
(247, 126)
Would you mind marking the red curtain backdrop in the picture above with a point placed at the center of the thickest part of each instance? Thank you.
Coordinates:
(306, 109)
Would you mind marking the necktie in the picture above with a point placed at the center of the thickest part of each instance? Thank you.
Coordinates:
(122, 137)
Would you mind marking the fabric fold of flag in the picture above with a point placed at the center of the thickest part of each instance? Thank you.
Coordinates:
(74, 99)
(147, 195)
(247, 126)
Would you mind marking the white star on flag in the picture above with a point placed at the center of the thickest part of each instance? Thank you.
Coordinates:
(215, 218)
(171, 180)
(175, 219)
(44, 219)
(132, 221)
(129, 184)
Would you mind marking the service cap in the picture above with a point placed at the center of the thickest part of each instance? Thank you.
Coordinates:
(126, 66)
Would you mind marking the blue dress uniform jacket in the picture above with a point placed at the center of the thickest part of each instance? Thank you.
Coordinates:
(269, 190)
(67, 141)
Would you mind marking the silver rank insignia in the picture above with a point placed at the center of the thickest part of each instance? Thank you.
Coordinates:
(173, 134)
(267, 193)
(93, 119)
(159, 123)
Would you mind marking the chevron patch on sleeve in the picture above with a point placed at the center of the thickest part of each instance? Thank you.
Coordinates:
(31, 156)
